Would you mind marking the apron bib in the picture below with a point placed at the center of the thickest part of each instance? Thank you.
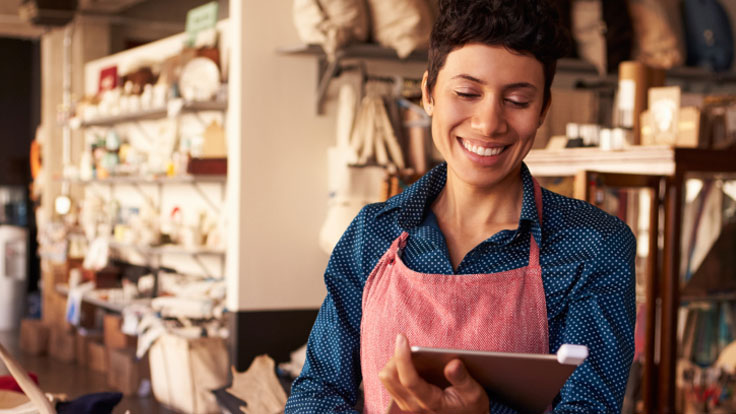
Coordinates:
(501, 312)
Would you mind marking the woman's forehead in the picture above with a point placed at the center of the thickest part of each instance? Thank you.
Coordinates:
(492, 64)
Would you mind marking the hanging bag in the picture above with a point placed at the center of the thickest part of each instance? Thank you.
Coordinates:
(708, 34)
(403, 25)
(332, 24)
(602, 32)
(656, 41)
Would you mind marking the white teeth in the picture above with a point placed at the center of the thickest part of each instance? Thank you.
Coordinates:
(485, 152)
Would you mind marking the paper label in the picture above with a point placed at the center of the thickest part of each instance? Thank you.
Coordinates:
(626, 94)
(200, 19)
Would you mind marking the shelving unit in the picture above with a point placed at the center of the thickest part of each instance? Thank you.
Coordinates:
(102, 303)
(171, 110)
(328, 70)
(675, 165)
(182, 179)
(169, 249)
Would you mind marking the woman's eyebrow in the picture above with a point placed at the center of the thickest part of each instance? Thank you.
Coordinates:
(520, 85)
(470, 78)
(517, 85)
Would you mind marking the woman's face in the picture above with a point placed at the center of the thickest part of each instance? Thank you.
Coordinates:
(486, 107)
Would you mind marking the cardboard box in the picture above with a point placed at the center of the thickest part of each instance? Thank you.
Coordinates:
(125, 372)
(98, 359)
(53, 305)
(84, 353)
(114, 337)
(689, 130)
(105, 278)
(62, 344)
(185, 370)
(207, 166)
(34, 336)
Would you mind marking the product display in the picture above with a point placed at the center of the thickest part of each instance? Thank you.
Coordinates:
(333, 24)
(157, 194)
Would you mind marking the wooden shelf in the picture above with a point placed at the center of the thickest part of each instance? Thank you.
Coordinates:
(153, 113)
(565, 65)
(634, 160)
(711, 297)
(184, 179)
(356, 51)
(168, 249)
(93, 299)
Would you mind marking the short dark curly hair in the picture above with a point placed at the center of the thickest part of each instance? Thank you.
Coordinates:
(522, 26)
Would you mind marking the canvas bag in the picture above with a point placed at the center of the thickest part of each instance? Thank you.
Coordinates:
(184, 371)
(656, 42)
(708, 34)
(403, 25)
(357, 165)
(602, 32)
(350, 187)
(331, 23)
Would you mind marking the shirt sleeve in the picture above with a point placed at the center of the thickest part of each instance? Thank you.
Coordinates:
(602, 315)
(330, 379)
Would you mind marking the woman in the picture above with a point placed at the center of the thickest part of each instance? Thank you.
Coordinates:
(475, 255)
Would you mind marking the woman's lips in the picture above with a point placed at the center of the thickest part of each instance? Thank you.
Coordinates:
(482, 150)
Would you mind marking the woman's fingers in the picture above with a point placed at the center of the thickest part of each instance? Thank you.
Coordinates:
(464, 387)
(399, 376)
(458, 376)
(426, 395)
(389, 376)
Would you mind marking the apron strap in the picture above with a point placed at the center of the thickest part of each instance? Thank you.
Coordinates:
(397, 246)
(533, 246)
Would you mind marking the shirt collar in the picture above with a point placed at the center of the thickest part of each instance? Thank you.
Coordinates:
(414, 201)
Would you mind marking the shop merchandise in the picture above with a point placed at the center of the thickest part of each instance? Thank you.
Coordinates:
(259, 387)
(364, 165)
(602, 33)
(710, 42)
(656, 41)
(403, 25)
(199, 80)
(333, 24)
(184, 371)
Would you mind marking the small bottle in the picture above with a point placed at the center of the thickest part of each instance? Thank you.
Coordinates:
(572, 131)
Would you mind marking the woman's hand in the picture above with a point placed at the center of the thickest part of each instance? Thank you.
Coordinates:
(413, 394)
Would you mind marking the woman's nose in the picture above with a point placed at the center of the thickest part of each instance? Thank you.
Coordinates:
(488, 118)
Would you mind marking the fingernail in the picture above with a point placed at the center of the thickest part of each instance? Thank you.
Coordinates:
(400, 341)
(460, 371)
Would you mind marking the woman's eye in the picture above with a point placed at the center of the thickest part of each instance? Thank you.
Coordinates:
(517, 104)
(466, 94)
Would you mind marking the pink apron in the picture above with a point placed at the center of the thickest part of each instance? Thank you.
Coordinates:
(503, 312)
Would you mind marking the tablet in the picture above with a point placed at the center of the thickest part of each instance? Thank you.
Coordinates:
(525, 382)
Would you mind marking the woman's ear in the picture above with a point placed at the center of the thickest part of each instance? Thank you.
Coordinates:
(427, 101)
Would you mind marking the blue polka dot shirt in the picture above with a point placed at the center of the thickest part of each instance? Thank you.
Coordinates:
(587, 259)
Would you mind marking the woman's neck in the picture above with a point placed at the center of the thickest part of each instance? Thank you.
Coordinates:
(470, 209)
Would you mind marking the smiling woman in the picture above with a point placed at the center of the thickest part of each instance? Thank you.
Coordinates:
(475, 255)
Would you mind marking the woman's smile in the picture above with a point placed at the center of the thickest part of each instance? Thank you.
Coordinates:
(486, 107)
(484, 153)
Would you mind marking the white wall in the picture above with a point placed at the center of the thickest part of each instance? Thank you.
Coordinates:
(278, 144)
(279, 196)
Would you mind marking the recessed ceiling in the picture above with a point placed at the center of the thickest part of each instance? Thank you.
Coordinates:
(107, 6)
(11, 24)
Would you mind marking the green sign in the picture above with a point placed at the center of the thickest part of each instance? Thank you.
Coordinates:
(201, 18)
